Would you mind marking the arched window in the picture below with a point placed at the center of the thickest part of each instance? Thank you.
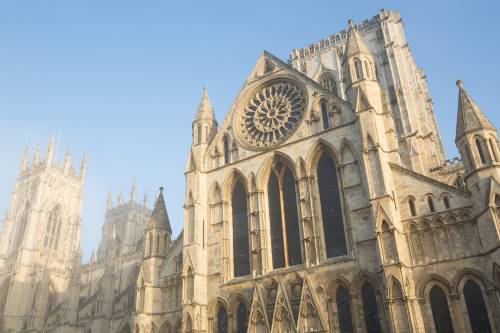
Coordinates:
(141, 297)
(370, 309)
(53, 229)
(241, 318)
(493, 150)
(226, 150)
(368, 70)
(191, 218)
(478, 315)
(344, 310)
(358, 68)
(222, 320)
(240, 230)
(150, 241)
(430, 203)
(480, 152)
(388, 243)
(200, 130)
(331, 209)
(283, 217)
(446, 202)
(324, 115)
(411, 206)
(157, 250)
(440, 310)
(190, 285)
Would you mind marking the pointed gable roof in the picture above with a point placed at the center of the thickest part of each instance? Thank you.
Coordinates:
(469, 116)
(205, 110)
(159, 218)
(354, 44)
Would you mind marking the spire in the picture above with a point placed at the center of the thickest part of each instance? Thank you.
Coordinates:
(469, 116)
(36, 155)
(205, 110)
(109, 200)
(133, 192)
(83, 167)
(67, 162)
(145, 200)
(354, 44)
(49, 158)
(119, 201)
(159, 218)
(24, 161)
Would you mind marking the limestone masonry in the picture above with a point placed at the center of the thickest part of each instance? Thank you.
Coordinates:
(323, 202)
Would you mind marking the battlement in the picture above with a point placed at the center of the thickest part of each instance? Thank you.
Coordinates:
(340, 38)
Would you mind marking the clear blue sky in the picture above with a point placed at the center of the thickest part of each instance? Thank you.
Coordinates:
(122, 79)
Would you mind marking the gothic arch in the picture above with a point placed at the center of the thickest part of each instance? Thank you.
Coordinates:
(470, 273)
(235, 300)
(187, 323)
(428, 281)
(228, 184)
(464, 215)
(363, 276)
(165, 328)
(215, 304)
(334, 283)
(265, 170)
(318, 148)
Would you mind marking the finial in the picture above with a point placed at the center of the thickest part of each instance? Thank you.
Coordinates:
(145, 200)
(67, 161)
(24, 161)
(109, 201)
(460, 84)
(205, 91)
(83, 167)
(161, 189)
(51, 150)
(36, 155)
(133, 191)
(351, 24)
(120, 198)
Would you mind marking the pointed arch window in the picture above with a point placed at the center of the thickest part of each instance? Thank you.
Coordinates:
(191, 218)
(331, 208)
(324, 115)
(53, 230)
(190, 285)
(358, 68)
(240, 230)
(344, 310)
(430, 203)
(476, 308)
(411, 206)
(222, 320)
(446, 202)
(225, 143)
(493, 150)
(440, 310)
(480, 151)
(200, 130)
(370, 308)
(368, 69)
(283, 216)
(242, 318)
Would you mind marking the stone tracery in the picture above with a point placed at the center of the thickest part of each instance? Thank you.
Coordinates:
(272, 114)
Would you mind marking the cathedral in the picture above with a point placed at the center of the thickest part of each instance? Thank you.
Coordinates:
(322, 202)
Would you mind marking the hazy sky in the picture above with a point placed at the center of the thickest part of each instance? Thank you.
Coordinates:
(122, 79)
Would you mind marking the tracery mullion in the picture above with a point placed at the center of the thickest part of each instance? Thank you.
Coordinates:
(283, 217)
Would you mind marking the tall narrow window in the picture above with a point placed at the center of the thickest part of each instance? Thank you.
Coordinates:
(480, 151)
(157, 250)
(344, 310)
(478, 315)
(190, 285)
(430, 202)
(277, 243)
(222, 321)
(324, 115)
(150, 241)
(358, 68)
(240, 230)
(368, 70)
(440, 310)
(370, 308)
(191, 219)
(493, 150)
(446, 202)
(411, 206)
(226, 150)
(200, 130)
(241, 318)
(331, 208)
(283, 216)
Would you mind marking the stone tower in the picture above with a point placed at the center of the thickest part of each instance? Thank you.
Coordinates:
(40, 241)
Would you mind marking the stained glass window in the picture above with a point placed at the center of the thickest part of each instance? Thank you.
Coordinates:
(240, 230)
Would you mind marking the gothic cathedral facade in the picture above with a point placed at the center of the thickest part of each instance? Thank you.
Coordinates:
(323, 202)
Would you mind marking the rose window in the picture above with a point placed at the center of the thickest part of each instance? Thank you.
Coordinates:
(272, 114)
